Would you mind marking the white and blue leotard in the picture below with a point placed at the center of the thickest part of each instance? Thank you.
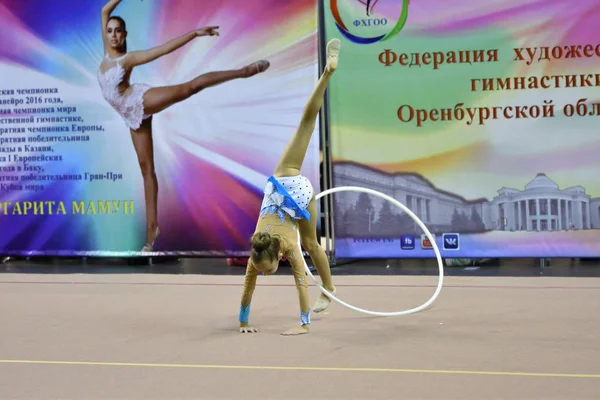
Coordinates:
(287, 195)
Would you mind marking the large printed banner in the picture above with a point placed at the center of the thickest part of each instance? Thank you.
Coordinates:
(482, 118)
(76, 181)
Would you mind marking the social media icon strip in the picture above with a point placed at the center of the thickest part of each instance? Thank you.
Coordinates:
(407, 242)
(451, 241)
(425, 242)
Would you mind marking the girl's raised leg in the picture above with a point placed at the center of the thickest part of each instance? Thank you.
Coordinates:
(292, 158)
(160, 98)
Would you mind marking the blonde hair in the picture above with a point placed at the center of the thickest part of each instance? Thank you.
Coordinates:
(264, 246)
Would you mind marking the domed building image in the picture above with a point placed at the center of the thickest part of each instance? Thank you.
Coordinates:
(541, 206)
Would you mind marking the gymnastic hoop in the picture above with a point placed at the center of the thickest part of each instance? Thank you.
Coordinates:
(416, 219)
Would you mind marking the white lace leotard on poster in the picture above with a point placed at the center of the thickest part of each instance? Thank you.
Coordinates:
(128, 103)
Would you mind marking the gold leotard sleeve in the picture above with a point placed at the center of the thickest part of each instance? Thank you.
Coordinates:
(294, 256)
(249, 286)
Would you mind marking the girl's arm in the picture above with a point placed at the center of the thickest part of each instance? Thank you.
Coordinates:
(295, 259)
(142, 57)
(108, 8)
(249, 286)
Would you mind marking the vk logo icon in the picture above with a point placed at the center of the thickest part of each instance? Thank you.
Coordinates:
(450, 241)
(407, 242)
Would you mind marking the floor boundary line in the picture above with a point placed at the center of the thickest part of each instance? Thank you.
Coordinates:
(358, 285)
(301, 368)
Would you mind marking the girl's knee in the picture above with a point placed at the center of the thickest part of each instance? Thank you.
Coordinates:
(189, 90)
(183, 92)
(310, 245)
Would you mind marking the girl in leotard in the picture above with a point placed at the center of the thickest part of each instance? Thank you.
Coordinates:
(289, 206)
(138, 102)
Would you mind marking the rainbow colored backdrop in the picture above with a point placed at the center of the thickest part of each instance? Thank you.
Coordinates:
(213, 152)
(471, 161)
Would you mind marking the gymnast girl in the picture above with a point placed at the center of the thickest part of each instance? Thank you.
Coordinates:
(289, 206)
(136, 103)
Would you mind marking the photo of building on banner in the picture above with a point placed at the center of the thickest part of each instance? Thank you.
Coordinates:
(133, 127)
(482, 120)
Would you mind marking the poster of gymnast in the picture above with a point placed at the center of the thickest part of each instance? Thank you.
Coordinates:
(129, 126)
(482, 120)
